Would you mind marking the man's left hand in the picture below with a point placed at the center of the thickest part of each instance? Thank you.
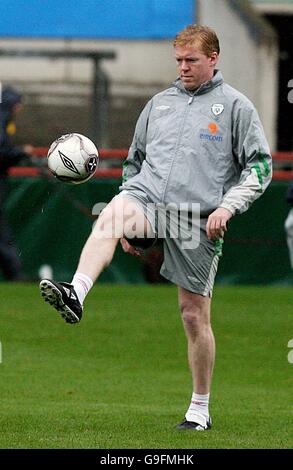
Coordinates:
(217, 223)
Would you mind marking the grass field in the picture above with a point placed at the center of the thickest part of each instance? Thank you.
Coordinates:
(120, 378)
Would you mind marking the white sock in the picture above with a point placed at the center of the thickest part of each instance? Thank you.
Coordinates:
(82, 284)
(199, 406)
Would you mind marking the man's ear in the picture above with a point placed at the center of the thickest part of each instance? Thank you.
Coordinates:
(214, 58)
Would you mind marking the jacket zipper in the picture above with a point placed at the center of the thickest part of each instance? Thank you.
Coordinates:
(190, 100)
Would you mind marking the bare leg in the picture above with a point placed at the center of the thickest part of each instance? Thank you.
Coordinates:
(195, 311)
(120, 218)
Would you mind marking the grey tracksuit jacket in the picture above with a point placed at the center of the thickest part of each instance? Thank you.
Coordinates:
(206, 147)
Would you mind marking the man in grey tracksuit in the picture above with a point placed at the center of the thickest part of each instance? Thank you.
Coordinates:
(205, 146)
(198, 145)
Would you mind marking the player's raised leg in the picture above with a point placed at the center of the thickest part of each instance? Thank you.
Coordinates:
(121, 217)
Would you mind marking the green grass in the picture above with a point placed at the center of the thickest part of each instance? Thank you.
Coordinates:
(120, 378)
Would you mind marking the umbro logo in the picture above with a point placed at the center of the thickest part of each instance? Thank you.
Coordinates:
(70, 294)
(162, 107)
(192, 278)
(68, 163)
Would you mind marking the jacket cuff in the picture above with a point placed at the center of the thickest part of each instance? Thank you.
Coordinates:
(228, 207)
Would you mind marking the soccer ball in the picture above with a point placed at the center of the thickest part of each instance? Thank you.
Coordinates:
(73, 158)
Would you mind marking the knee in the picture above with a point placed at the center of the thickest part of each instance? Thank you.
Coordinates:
(191, 322)
(194, 318)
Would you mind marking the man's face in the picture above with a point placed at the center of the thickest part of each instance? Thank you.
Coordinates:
(194, 66)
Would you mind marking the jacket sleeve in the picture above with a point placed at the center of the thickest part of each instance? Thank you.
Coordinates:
(251, 152)
(137, 151)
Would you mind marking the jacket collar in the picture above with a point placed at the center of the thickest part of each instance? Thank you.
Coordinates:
(204, 87)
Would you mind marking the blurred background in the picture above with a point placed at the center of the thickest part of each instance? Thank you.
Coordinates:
(89, 66)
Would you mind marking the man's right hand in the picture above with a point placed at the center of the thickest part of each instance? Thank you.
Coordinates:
(130, 249)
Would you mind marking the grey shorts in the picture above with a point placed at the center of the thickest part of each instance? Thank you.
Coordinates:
(190, 263)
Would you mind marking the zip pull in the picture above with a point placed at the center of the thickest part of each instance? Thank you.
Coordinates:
(190, 99)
